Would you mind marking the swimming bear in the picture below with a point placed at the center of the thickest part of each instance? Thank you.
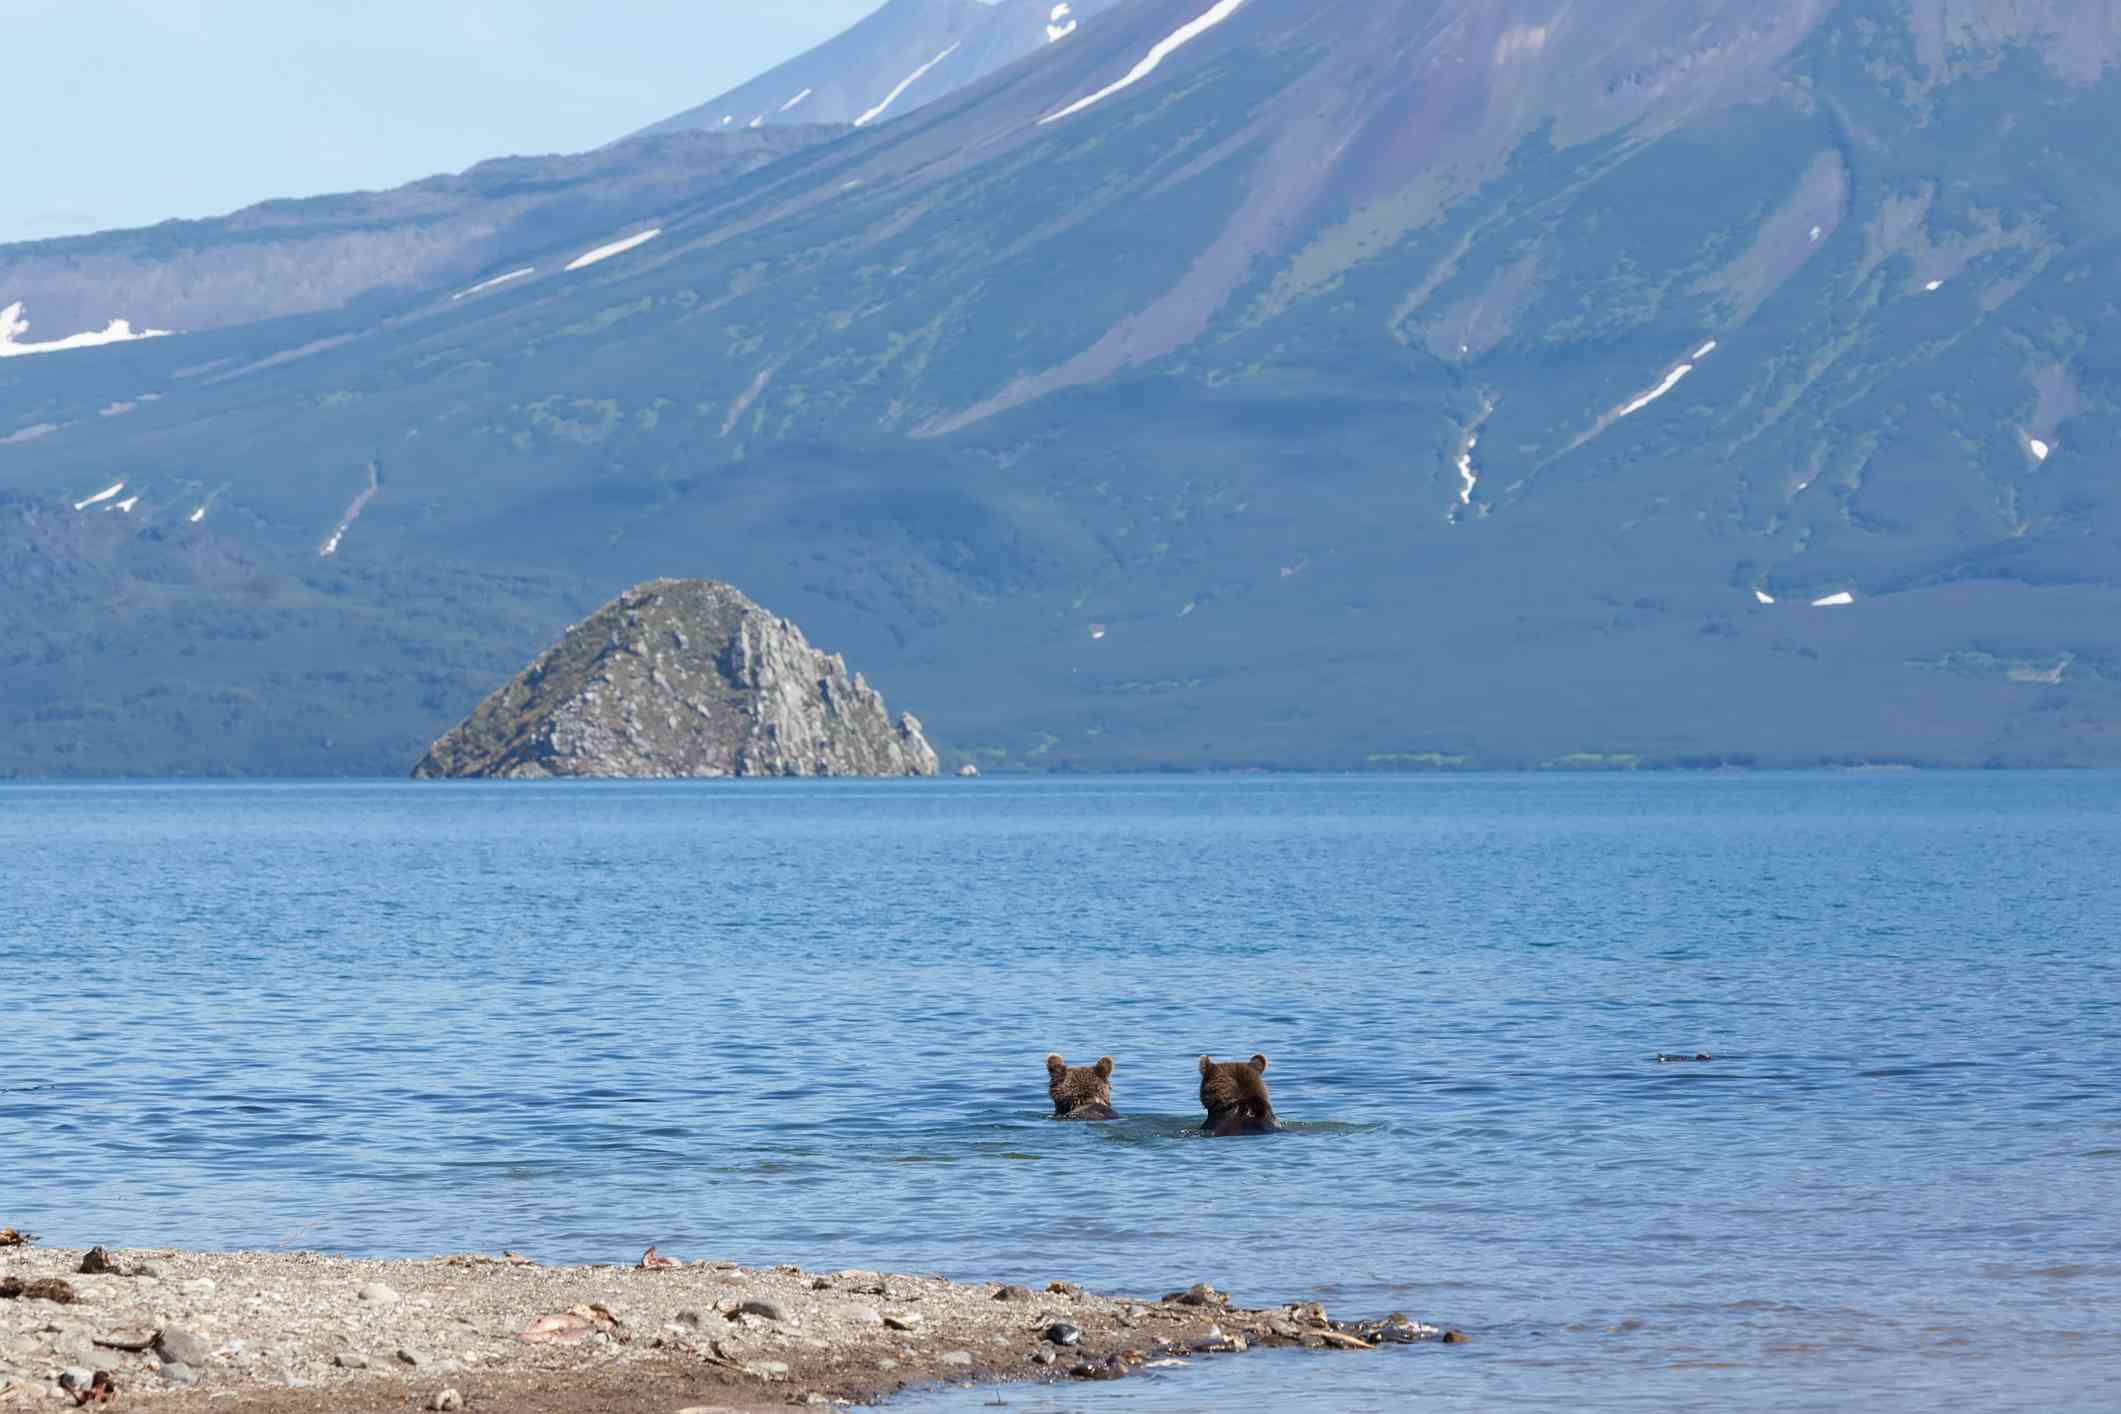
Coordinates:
(1234, 1093)
(1080, 1091)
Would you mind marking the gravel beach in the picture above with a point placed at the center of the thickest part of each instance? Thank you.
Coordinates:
(258, 1331)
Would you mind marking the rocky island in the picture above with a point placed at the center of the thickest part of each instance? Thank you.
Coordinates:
(682, 678)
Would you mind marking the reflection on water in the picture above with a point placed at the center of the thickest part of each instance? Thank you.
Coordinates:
(807, 1022)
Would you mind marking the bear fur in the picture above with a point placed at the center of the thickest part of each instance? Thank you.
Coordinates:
(1234, 1093)
(1080, 1091)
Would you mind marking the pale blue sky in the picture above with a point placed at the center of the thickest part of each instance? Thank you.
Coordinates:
(125, 112)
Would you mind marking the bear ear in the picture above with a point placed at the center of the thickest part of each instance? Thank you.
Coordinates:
(1054, 1063)
(1206, 1065)
(1104, 1067)
(1259, 1063)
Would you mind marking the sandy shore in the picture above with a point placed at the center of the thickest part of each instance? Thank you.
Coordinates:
(258, 1331)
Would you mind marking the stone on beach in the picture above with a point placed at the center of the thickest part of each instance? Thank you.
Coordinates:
(178, 1346)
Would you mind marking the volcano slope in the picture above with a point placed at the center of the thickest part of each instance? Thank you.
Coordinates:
(905, 54)
(1307, 383)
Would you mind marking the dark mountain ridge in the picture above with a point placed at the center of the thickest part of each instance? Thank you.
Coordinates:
(1402, 382)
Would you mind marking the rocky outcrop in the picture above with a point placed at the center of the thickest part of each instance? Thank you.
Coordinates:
(682, 678)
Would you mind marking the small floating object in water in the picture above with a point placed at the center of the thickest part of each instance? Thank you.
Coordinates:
(1663, 1059)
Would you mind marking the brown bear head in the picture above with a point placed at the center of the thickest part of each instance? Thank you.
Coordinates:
(1234, 1093)
(1080, 1091)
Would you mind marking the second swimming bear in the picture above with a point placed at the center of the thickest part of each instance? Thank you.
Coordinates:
(1080, 1091)
(1234, 1093)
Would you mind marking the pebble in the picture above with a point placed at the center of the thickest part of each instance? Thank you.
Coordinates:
(957, 1357)
(910, 1321)
(178, 1346)
(1063, 1333)
(178, 1374)
(865, 1315)
(73, 1345)
(763, 1306)
(408, 1356)
(446, 1400)
(691, 1318)
(1043, 1356)
(199, 1287)
(1200, 1294)
(380, 1294)
(1013, 1292)
(350, 1360)
(157, 1271)
(768, 1367)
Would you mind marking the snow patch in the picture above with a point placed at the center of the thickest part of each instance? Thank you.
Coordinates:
(13, 326)
(1185, 34)
(2039, 449)
(1522, 39)
(1704, 351)
(1763, 596)
(1465, 471)
(1835, 601)
(1056, 33)
(1817, 231)
(353, 513)
(1671, 381)
(756, 120)
(104, 495)
(1932, 287)
(196, 516)
(496, 280)
(125, 505)
(605, 252)
(1097, 631)
(797, 99)
(903, 84)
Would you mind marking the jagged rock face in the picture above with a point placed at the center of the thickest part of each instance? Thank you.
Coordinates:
(682, 678)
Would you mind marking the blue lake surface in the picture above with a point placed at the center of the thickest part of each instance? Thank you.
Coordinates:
(805, 1022)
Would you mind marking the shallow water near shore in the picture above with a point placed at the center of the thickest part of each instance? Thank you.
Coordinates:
(805, 1022)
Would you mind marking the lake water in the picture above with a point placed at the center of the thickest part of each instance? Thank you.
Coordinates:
(805, 1022)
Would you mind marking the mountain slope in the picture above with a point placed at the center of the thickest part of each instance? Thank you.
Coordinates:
(1278, 382)
(906, 54)
(323, 253)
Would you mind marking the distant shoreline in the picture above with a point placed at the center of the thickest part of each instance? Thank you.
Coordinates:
(951, 780)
